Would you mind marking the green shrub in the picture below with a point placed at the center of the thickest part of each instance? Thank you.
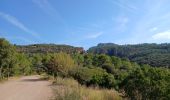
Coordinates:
(108, 67)
(60, 64)
(148, 84)
(94, 76)
(8, 59)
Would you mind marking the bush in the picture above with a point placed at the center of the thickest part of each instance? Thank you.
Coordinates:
(99, 60)
(60, 64)
(23, 65)
(108, 67)
(94, 76)
(8, 58)
(148, 84)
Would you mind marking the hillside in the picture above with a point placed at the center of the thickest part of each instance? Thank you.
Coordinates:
(152, 54)
(48, 48)
(79, 72)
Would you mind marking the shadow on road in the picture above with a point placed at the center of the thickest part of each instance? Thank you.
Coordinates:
(33, 80)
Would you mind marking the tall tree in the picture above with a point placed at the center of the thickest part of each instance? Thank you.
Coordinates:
(7, 58)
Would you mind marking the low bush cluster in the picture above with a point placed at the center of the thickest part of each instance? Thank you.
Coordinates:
(94, 76)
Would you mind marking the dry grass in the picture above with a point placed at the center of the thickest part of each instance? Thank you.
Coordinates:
(69, 89)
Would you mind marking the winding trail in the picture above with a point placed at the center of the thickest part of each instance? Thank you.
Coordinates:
(26, 88)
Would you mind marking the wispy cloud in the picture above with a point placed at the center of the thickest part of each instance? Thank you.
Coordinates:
(49, 9)
(162, 35)
(14, 21)
(153, 18)
(94, 35)
(124, 5)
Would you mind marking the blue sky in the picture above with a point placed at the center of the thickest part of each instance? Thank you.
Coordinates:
(85, 23)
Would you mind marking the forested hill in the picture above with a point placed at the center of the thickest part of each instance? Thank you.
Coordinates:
(48, 48)
(152, 54)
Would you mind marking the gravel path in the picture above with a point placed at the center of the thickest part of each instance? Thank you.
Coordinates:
(26, 88)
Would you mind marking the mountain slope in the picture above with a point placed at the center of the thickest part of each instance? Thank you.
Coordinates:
(153, 54)
(48, 48)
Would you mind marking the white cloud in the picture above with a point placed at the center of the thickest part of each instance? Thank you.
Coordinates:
(94, 35)
(162, 35)
(17, 23)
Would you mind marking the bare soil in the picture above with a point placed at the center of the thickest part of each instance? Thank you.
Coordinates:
(26, 88)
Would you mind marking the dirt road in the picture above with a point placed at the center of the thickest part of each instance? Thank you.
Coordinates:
(26, 88)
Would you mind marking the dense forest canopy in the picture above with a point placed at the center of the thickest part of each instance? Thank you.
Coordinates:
(153, 54)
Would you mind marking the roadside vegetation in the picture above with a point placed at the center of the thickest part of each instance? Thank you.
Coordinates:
(70, 89)
(88, 76)
(12, 63)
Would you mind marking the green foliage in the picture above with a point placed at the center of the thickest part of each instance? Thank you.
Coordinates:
(88, 60)
(24, 65)
(108, 67)
(99, 60)
(79, 58)
(104, 80)
(94, 76)
(11, 62)
(7, 58)
(148, 84)
(153, 54)
(116, 61)
(37, 64)
(61, 64)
